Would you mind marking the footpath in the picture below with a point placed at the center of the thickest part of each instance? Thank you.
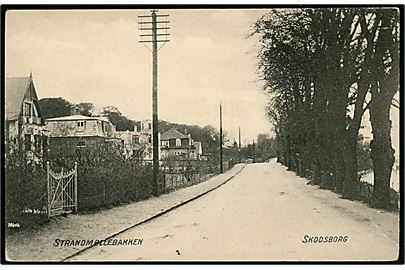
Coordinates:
(38, 245)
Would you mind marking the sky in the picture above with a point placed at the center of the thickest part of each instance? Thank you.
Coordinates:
(95, 56)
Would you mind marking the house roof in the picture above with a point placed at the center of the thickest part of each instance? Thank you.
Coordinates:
(16, 88)
(78, 118)
(172, 134)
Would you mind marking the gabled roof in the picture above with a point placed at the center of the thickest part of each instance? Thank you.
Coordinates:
(172, 134)
(16, 88)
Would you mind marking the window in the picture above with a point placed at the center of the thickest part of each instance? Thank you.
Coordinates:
(184, 142)
(106, 128)
(163, 143)
(27, 142)
(135, 139)
(27, 109)
(37, 142)
(81, 144)
(178, 142)
(150, 139)
(80, 125)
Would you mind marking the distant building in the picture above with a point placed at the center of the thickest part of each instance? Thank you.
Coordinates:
(24, 129)
(81, 131)
(198, 149)
(175, 143)
(138, 143)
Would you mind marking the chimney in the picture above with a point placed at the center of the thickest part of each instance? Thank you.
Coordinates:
(75, 110)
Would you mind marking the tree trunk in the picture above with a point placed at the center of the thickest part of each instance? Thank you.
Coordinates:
(382, 152)
(289, 154)
(338, 110)
(316, 174)
(278, 157)
(339, 173)
(382, 93)
(350, 182)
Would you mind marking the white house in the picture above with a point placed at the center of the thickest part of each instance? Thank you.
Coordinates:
(81, 130)
(138, 143)
(175, 143)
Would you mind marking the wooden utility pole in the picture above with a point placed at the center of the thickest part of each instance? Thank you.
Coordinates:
(239, 148)
(155, 126)
(220, 139)
(48, 190)
(253, 152)
(152, 31)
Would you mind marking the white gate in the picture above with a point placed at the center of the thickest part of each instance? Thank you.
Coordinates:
(62, 191)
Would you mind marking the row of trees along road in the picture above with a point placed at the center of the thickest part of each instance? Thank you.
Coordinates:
(323, 69)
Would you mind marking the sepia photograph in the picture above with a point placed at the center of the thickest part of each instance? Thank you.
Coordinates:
(146, 134)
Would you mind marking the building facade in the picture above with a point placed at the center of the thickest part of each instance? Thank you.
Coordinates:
(176, 144)
(24, 128)
(138, 143)
(80, 131)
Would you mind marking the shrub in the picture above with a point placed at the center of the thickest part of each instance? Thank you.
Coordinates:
(105, 177)
(25, 189)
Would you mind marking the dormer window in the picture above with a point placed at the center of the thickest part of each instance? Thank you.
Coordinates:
(80, 125)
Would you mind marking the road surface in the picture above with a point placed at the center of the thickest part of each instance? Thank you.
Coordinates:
(264, 213)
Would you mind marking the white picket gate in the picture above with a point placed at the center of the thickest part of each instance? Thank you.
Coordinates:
(62, 191)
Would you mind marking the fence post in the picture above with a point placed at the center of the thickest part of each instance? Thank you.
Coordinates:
(63, 190)
(48, 189)
(163, 175)
(75, 184)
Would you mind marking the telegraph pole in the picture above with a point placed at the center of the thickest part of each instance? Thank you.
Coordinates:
(151, 32)
(240, 148)
(254, 158)
(220, 139)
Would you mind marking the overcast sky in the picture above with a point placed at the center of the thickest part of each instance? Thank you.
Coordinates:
(95, 56)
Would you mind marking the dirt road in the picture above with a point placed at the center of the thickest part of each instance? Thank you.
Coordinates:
(264, 213)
